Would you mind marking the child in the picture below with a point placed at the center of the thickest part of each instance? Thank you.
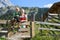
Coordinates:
(23, 17)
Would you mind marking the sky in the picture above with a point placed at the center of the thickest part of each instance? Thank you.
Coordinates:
(34, 3)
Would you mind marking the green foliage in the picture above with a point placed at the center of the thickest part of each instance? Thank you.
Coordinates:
(2, 38)
(45, 34)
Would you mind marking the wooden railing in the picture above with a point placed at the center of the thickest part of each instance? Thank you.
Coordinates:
(55, 24)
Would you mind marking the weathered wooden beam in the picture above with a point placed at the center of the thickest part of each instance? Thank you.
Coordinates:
(3, 21)
(26, 36)
(3, 31)
(49, 29)
(26, 23)
(52, 14)
(24, 29)
(55, 24)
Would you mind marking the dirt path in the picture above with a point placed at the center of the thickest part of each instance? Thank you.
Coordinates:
(16, 36)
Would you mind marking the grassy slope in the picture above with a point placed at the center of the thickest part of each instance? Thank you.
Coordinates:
(46, 34)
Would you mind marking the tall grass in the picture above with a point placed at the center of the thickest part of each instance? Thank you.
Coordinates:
(47, 34)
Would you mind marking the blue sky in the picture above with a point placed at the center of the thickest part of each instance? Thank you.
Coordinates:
(34, 3)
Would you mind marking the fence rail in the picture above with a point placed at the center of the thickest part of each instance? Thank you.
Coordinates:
(3, 31)
(55, 24)
(49, 29)
(53, 14)
(47, 23)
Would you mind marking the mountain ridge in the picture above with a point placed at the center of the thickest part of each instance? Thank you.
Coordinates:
(4, 3)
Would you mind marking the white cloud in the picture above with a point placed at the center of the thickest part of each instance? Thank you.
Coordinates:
(48, 5)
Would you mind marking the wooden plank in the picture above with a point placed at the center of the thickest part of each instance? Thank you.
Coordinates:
(26, 36)
(52, 14)
(3, 31)
(24, 29)
(49, 29)
(20, 35)
(3, 21)
(26, 23)
(53, 17)
(55, 24)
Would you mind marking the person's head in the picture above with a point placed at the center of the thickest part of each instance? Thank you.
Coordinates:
(17, 9)
(22, 11)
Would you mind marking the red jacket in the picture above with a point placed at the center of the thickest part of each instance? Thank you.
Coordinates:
(23, 18)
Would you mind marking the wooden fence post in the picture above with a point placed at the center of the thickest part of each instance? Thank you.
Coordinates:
(32, 29)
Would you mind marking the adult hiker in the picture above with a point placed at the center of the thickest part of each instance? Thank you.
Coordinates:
(16, 15)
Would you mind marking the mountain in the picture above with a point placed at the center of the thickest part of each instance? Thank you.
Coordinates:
(4, 3)
(4, 10)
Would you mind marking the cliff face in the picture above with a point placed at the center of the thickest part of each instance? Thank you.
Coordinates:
(4, 3)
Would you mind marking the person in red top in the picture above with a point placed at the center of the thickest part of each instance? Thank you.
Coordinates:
(23, 17)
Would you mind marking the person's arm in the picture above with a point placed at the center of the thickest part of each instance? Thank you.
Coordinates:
(26, 17)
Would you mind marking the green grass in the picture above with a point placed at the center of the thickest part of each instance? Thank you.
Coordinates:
(47, 34)
(2, 38)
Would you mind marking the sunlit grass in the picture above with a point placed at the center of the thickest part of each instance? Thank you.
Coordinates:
(47, 34)
(3, 38)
